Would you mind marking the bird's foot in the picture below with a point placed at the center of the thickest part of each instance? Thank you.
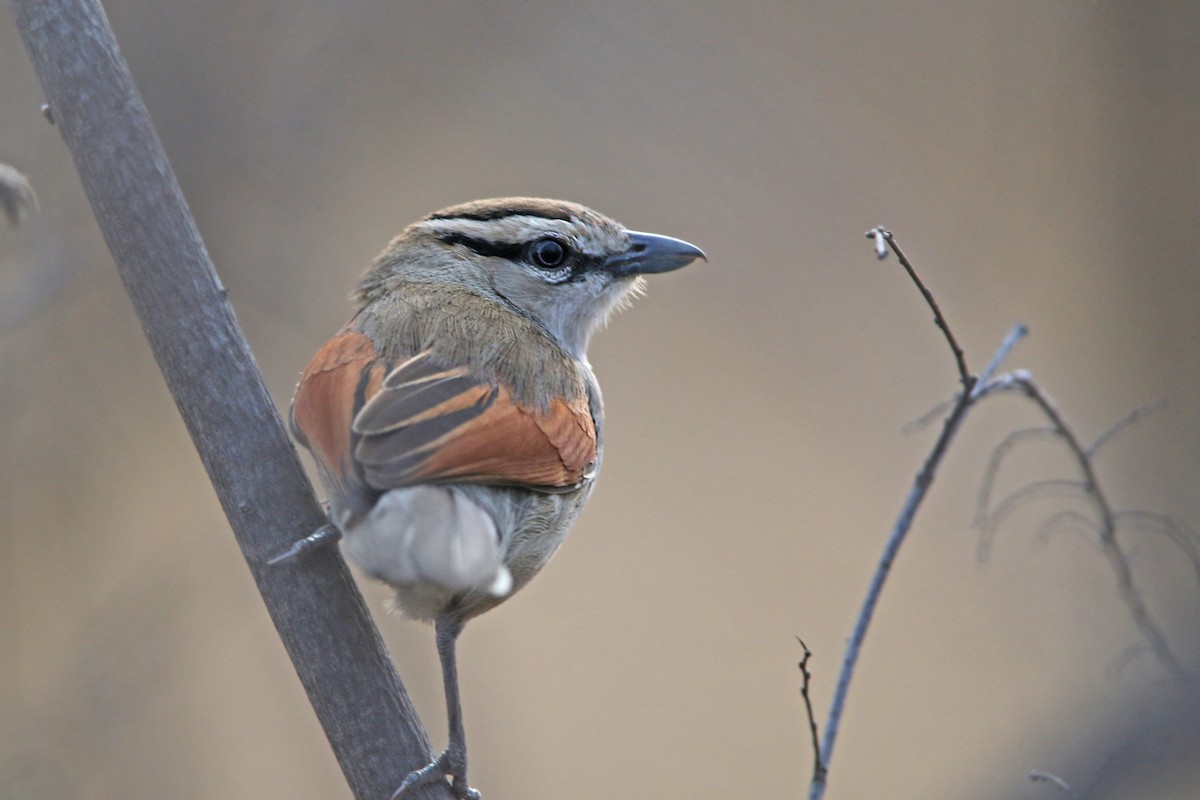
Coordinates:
(323, 536)
(450, 764)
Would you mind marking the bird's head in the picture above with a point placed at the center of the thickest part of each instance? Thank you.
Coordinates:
(560, 264)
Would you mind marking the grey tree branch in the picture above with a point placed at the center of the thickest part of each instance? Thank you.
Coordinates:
(211, 373)
(963, 402)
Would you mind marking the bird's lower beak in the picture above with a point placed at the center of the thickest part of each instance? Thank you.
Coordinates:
(649, 253)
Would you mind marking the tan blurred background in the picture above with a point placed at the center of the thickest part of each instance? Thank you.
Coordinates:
(1040, 162)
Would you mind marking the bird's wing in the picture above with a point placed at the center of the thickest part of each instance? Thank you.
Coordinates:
(422, 421)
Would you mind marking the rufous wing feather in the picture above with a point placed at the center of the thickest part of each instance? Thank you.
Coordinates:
(343, 373)
(373, 428)
(427, 424)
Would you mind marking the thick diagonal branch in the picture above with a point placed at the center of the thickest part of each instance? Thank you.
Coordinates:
(211, 373)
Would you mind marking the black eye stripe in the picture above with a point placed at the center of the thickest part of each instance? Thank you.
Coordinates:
(484, 247)
(578, 264)
(509, 250)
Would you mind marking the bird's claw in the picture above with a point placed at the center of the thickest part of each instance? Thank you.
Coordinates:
(447, 765)
(323, 536)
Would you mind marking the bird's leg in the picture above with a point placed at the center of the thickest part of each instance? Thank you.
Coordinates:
(323, 536)
(447, 631)
(452, 763)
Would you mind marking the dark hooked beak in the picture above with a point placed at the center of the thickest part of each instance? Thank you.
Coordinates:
(650, 253)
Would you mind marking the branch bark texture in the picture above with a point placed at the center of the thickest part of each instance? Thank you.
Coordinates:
(211, 373)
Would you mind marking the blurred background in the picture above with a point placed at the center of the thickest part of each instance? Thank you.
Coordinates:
(1040, 162)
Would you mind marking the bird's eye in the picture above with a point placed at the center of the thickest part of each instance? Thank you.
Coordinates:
(548, 253)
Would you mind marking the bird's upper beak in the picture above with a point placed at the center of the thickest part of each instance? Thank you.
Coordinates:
(649, 253)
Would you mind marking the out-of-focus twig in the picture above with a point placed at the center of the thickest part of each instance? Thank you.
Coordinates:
(1180, 533)
(1011, 340)
(1127, 421)
(1092, 492)
(1068, 519)
(17, 199)
(1015, 335)
(1037, 776)
(983, 499)
(989, 521)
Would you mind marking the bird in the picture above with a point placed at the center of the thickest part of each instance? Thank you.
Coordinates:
(455, 422)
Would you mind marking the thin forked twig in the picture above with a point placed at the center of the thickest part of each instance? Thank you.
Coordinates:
(1123, 424)
(1116, 557)
(895, 539)
(974, 389)
(929, 417)
(983, 500)
(1181, 534)
(1017, 499)
(920, 487)
(1011, 340)
(1015, 335)
(880, 235)
(805, 683)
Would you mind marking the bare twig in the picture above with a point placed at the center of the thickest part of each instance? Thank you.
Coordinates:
(1130, 419)
(1018, 498)
(881, 234)
(976, 388)
(1058, 521)
(1181, 534)
(1015, 335)
(1011, 340)
(211, 373)
(900, 528)
(983, 500)
(805, 683)
(928, 418)
(1038, 776)
(1023, 383)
